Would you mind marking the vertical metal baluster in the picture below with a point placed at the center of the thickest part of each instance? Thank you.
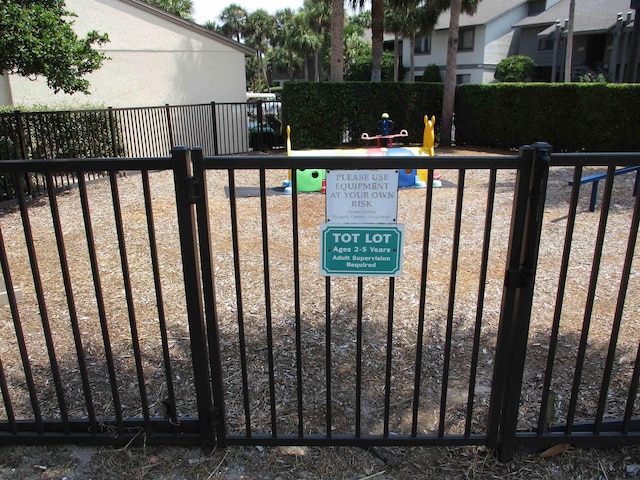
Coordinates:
(73, 315)
(421, 309)
(480, 305)
(296, 289)
(450, 309)
(22, 346)
(135, 339)
(359, 359)
(387, 380)
(267, 300)
(240, 305)
(153, 245)
(543, 419)
(593, 280)
(328, 353)
(615, 330)
(42, 306)
(95, 270)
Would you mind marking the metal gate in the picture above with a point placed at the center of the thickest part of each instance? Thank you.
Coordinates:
(201, 317)
(349, 366)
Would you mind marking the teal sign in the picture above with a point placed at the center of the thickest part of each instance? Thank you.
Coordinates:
(361, 250)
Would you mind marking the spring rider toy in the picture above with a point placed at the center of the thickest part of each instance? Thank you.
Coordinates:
(384, 126)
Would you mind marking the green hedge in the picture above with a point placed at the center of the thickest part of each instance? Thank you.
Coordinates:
(571, 117)
(328, 115)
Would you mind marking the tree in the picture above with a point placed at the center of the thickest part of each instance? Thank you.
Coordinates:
(448, 99)
(337, 40)
(357, 49)
(318, 14)
(182, 8)
(377, 39)
(304, 40)
(260, 29)
(234, 19)
(37, 40)
(287, 29)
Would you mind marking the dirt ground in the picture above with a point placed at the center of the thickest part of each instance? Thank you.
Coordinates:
(233, 463)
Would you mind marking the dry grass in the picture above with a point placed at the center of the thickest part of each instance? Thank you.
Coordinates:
(296, 462)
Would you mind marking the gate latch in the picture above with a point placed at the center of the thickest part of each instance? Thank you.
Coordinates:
(193, 189)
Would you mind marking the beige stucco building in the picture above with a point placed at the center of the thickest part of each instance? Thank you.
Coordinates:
(156, 58)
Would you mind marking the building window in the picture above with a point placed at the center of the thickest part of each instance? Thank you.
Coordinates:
(465, 39)
(422, 45)
(545, 44)
(463, 78)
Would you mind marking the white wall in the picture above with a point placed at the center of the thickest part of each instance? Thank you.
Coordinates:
(5, 91)
(154, 61)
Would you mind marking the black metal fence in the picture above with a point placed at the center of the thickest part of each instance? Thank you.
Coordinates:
(220, 128)
(501, 331)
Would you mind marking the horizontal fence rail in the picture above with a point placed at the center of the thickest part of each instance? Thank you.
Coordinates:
(152, 320)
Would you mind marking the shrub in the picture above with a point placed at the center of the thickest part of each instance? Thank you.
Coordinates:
(515, 68)
(591, 77)
(431, 74)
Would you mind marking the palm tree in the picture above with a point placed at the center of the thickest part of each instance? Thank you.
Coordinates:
(304, 40)
(377, 39)
(284, 41)
(448, 99)
(233, 19)
(259, 31)
(337, 40)
(318, 14)
(394, 20)
(182, 8)
(377, 34)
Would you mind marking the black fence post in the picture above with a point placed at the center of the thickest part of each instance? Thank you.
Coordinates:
(112, 130)
(259, 129)
(169, 124)
(187, 188)
(214, 122)
(524, 241)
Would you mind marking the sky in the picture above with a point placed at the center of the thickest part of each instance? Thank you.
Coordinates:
(204, 10)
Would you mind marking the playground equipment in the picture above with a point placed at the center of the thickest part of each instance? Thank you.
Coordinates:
(314, 180)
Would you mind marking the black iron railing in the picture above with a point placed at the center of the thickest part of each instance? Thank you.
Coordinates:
(200, 316)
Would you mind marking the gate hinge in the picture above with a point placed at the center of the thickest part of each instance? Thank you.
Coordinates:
(193, 189)
(518, 278)
(215, 416)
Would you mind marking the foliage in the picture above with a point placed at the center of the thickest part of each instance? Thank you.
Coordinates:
(500, 115)
(234, 20)
(352, 108)
(69, 134)
(182, 8)
(591, 77)
(516, 68)
(37, 39)
(359, 69)
(564, 114)
(431, 74)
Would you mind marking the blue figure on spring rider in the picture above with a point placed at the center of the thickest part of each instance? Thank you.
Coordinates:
(385, 125)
